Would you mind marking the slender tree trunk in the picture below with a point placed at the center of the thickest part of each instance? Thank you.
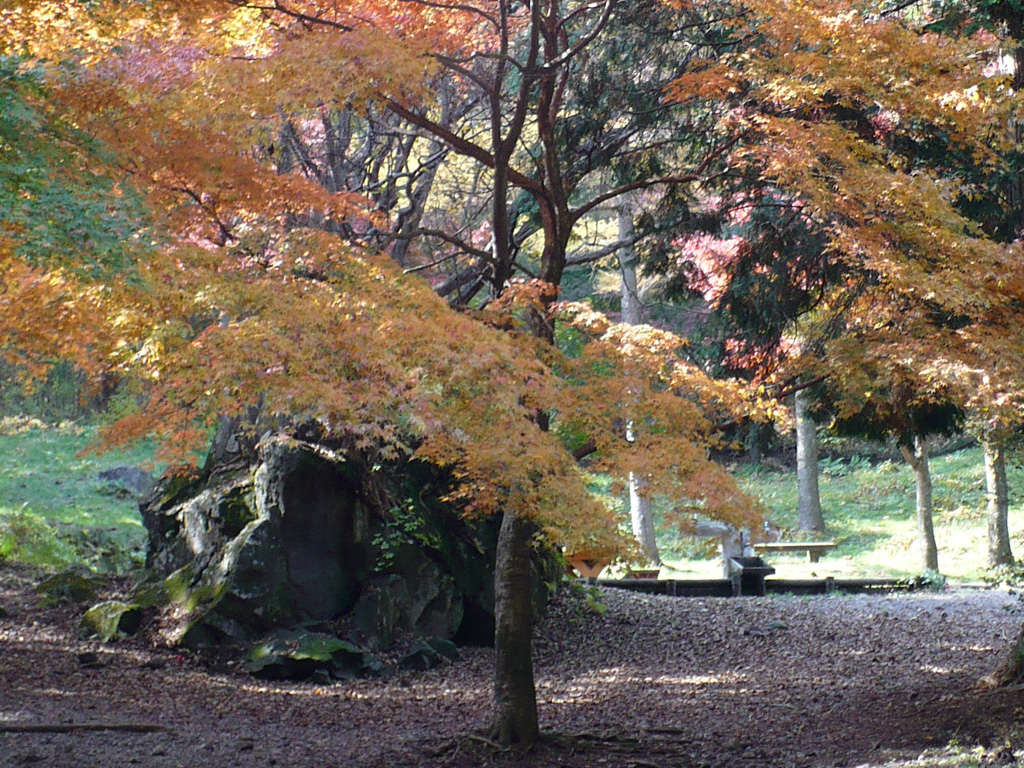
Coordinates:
(918, 461)
(640, 511)
(643, 520)
(999, 552)
(808, 500)
(515, 698)
(632, 309)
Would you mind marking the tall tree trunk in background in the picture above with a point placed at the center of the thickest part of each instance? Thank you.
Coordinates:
(643, 520)
(808, 500)
(515, 717)
(918, 461)
(999, 552)
(640, 511)
(632, 310)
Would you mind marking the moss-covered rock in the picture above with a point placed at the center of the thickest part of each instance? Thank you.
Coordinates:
(111, 619)
(298, 654)
(76, 584)
(287, 532)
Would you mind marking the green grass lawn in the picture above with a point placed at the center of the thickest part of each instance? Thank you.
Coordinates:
(54, 510)
(869, 511)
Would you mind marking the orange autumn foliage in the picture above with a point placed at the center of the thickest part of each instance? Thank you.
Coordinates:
(246, 298)
(824, 100)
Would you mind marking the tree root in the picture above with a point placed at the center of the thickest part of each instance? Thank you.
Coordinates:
(483, 740)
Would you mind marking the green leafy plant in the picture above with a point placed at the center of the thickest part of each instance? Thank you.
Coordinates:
(54, 512)
(404, 526)
(593, 601)
(29, 539)
(932, 580)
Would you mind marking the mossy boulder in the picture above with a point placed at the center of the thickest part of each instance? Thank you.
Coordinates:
(298, 654)
(111, 619)
(76, 584)
(293, 531)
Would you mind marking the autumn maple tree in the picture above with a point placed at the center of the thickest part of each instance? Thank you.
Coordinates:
(259, 285)
(884, 130)
(305, 165)
(63, 223)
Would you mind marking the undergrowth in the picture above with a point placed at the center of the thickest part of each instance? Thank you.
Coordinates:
(54, 510)
(868, 508)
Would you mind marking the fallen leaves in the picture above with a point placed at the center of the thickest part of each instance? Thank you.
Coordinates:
(651, 681)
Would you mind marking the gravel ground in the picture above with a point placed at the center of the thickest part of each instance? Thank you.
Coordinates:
(651, 681)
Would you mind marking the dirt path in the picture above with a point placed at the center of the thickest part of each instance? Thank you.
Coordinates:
(653, 681)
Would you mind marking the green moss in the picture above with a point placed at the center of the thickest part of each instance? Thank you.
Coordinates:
(236, 511)
(297, 653)
(75, 584)
(179, 583)
(111, 619)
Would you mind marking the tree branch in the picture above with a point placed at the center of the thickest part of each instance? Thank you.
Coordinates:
(600, 253)
(457, 7)
(583, 42)
(278, 7)
(461, 146)
(78, 727)
(688, 178)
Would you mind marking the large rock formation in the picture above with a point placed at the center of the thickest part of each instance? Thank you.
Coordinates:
(289, 532)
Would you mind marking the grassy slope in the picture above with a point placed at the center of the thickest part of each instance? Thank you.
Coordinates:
(53, 509)
(869, 510)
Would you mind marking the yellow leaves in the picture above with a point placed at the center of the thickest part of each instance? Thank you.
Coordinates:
(317, 67)
(254, 300)
(961, 100)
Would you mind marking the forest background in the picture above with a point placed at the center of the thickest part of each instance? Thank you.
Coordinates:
(531, 244)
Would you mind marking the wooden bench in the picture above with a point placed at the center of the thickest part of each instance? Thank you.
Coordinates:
(587, 565)
(814, 549)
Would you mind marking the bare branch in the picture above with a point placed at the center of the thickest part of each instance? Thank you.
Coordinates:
(461, 146)
(566, 56)
(279, 7)
(458, 242)
(457, 7)
(697, 175)
(596, 255)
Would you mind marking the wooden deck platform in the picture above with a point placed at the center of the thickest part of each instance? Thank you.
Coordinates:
(724, 587)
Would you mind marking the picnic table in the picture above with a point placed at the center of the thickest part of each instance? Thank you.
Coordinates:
(814, 549)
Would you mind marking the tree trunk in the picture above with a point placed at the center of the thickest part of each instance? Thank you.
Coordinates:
(918, 461)
(643, 520)
(632, 310)
(999, 552)
(640, 511)
(1011, 670)
(515, 698)
(808, 500)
